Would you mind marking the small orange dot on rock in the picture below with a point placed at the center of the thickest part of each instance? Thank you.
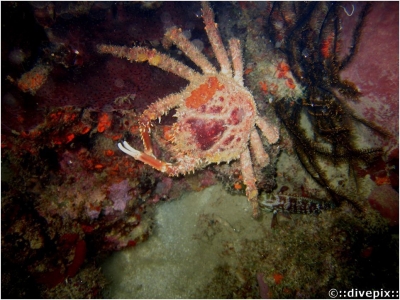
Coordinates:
(70, 137)
(237, 186)
(109, 152)
(277, 278)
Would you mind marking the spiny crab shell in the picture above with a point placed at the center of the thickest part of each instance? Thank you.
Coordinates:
(215, 121)
(216, 115)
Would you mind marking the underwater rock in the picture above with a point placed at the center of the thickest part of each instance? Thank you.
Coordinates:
(189, 236)
(375, 70)
(119, 195)
(386, 200)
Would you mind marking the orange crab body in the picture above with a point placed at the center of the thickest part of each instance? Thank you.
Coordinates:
(215, 121)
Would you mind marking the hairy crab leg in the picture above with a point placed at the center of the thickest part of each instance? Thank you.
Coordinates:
(155, 58)
(261, 156)
(270, 131)
(215, 40)
(155, 111)
(237, 60)
(249, 180)
(176, 36)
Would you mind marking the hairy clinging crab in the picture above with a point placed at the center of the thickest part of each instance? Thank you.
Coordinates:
(216, 115)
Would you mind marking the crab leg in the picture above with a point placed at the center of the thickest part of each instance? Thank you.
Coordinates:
(191, 51)
(249, 180)
(184, 165)
(261, 156)
(155, 111)
(215, 40)
(155, 58)
(270, 131)
(236, 54)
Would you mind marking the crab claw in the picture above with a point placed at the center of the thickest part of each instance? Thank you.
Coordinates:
(143, 157)
(125, 147)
